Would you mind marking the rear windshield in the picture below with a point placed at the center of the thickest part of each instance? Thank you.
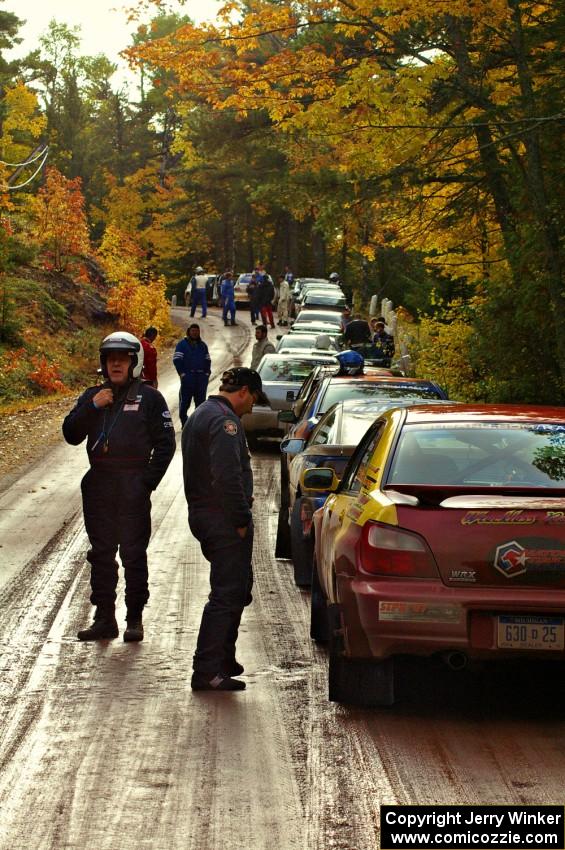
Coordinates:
(481, 455)
(315, 316)
(291, 370)
(318, 298)
(353, 389)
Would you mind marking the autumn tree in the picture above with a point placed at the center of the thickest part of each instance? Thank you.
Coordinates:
(60, 224)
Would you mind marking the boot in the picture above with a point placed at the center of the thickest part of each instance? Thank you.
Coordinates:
(134, 630)
(104, 626)
(233, 322)
(226, 322)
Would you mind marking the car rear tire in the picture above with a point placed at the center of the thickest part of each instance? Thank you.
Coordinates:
(282, 545)
(364, 682)
(319, 627)
(301, 549)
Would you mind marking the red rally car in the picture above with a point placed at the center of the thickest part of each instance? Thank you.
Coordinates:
(446, 534)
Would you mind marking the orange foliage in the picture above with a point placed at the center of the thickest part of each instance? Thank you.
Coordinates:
(45, 375)
(60, 221)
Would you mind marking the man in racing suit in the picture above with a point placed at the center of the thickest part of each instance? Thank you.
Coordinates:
(218, 484)
(130, 442)
(192, 361)
(198, 291)
(228, 297)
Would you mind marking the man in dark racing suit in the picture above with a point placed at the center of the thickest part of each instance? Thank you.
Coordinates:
(130, 441)
(218, 484)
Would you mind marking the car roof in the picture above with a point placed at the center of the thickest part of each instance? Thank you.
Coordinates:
(484, 413)
(297, 355)
(370, 377)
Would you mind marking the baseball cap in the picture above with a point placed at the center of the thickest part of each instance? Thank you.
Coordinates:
(241, 376)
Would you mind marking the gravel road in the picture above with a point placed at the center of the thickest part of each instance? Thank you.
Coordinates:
(104, 746)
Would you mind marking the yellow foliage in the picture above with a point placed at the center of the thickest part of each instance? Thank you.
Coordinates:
(441, 348)
(140, 304)
(120, 255)
(21, 119)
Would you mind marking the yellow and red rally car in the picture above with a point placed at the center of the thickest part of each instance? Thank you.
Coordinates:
(445, 535)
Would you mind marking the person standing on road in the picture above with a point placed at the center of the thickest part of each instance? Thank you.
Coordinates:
(130, 440)
(218, 484)
(262, 345)
(228, 297)
(253, 299)
(149, 372)
(198, 291)
(265, 295)
(192, 362)
(284, 301)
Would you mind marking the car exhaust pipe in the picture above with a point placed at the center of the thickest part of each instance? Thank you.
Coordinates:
(455, 660)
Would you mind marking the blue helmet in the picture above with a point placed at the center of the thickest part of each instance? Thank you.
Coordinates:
(350, 363)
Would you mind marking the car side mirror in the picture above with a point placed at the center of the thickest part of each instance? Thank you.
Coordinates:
(290, 395)
(323, 478)
(287, 416)
(292, 445)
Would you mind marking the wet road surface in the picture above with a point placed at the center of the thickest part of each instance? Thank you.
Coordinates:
(104, 746)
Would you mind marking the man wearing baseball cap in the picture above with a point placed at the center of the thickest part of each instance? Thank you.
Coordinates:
(218, 484)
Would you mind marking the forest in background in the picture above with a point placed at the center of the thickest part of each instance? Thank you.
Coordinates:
(414, 147)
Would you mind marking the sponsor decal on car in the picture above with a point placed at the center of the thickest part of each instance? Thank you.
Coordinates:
(555, 518)
(514, 559)
(510, 559)
(495, 518)
(420, 612)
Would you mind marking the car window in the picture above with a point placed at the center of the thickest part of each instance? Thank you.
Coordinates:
(353, 428)
(482, 454)
(355, 475)
(289, 370)
(325, 431)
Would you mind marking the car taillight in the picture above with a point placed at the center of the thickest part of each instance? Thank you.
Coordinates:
(389, 551)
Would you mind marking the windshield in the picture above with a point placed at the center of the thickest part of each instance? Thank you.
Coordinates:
(290, 370)
(481, 455)
(355, 389)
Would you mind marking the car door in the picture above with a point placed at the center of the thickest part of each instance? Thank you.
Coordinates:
(339, 511)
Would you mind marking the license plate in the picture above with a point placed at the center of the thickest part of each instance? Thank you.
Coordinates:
(530, 633)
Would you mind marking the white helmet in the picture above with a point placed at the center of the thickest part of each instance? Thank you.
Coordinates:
(199, 270)
(123, 341)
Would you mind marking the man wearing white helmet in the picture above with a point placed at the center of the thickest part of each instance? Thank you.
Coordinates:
(130, 441)
(198, 291)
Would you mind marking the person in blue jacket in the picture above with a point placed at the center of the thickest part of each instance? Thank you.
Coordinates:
(218, 484)
(228, 297)
(192, 361)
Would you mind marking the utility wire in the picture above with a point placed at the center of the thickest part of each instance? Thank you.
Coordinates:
(35, 173)
(25, 162)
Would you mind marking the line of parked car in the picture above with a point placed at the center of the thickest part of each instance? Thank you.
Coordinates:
(421, 525)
